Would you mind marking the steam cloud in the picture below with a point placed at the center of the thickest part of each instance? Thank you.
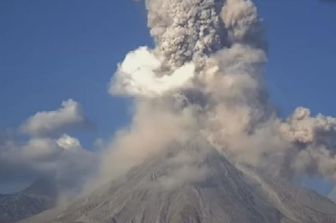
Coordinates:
(204, 80)
(69, 116)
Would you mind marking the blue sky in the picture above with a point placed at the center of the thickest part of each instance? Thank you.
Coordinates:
(54, 50)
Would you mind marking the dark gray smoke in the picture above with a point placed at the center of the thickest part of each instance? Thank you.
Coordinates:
(184, 30)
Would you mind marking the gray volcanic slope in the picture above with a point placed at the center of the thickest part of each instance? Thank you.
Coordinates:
(40, 196)
(225, 194)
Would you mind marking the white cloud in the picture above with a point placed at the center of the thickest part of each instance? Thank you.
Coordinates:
(62, 159)
(139, 75)
(48, 152)
(68, 143)
(50, 122)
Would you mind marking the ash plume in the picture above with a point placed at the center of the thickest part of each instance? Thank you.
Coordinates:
(205, 80)
(184, 30)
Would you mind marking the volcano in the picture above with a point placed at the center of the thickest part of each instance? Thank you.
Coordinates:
(205, 145)
(161, 191)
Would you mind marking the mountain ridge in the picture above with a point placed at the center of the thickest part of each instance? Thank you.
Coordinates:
(225, 194)
(39, 196)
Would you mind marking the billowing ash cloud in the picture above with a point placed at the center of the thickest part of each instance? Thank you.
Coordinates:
(185, 30)
(186, 34)
(204, 80)
(315, 138)
(69, 116)
(190, 30)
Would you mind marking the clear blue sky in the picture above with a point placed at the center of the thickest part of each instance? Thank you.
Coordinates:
(54, 50)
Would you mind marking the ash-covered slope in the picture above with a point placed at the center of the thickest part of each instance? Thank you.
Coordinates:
(40, 196)
(332, 195)
(164, 190)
